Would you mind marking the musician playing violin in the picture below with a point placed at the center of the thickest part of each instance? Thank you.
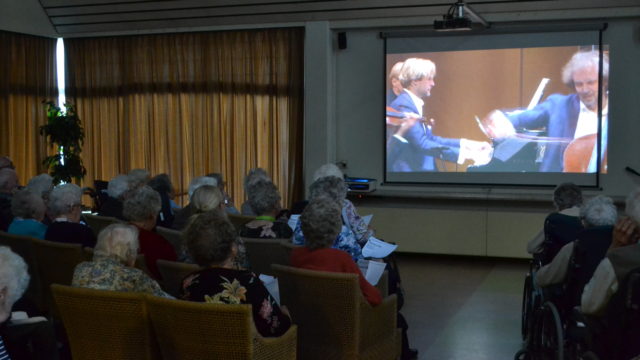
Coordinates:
(573, 117)
(414, 147)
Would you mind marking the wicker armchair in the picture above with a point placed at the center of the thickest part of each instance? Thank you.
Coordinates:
(172, 236)
(261, 253)
(334, 319)
(104, 324)
(23, 246)
(173, 273)
(193, 330)
(97, 222)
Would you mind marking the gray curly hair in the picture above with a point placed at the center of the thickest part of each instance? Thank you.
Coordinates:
(27, 205)
(585, 59)
(206, 198)
(200, 181)
(210, 238)
(329, 186)
(119, 241)
(141, 204)
(63, 198)
(118, 186)
(328, 169)
(599, 211)
(263, 197)
(254, 176)
(321, 222)
(41, 185)
(14, 274)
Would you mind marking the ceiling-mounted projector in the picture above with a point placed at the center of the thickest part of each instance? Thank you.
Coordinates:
(456, 18)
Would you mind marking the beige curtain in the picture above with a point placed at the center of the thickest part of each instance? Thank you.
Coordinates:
(27, 77)
(192, 104)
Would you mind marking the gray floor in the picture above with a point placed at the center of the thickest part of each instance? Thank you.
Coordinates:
(463, 307)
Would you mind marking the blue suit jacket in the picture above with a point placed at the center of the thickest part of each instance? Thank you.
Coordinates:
(559, 114)
(423, 147)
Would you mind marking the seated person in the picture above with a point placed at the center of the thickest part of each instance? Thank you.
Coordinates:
(212, 242)
(8, 185)
(65, 204)
(254, 176)
(228, 201)
(116, 191)
(264, 199)
(30, 338)
(181, 219)
(112, 267)
(138, 178)
(42, 185)
(141, 208)
(598, 216)
(560, 227)
(29, 210)
(162, 185)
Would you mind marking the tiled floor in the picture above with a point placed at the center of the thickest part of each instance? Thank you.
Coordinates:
(463, 307)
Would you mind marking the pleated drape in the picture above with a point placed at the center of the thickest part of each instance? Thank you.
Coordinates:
(190, 104)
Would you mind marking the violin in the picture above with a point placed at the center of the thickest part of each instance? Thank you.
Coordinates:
(396, 118)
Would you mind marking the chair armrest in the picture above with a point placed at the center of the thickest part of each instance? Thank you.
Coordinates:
(282, 347)
(377, 322)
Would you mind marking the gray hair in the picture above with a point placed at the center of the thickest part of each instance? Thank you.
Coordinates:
(63, 198)
(210, 238)
(263, 197)
(119, 241)
(206, 198)
(599, 211)
(415, 69)
(632, 206)
(8, 178)
(328, 170)
(567, 195)
(118, 186)
(329, 186)
(5, 162)
(253, 176)
(141, 204)
(138, 177)
(41, 185)
(321, 223)
(585, 59)
(14, 274)
(199, 181)
(27, 205)
(219, 179)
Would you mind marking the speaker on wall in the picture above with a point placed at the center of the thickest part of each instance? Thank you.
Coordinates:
(342, 40)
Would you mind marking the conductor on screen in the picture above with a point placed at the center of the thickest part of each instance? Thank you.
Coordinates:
(571, 121)
(414, 147)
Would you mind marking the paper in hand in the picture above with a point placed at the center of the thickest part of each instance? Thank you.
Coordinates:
(293, 221)
(376, 248)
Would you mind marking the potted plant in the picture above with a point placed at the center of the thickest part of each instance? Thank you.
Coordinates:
(64, 132)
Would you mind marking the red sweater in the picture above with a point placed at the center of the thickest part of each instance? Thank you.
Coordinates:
(154, 247)
(334, 260)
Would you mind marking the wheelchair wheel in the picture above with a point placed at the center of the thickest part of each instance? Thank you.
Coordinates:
(527, 306)
(548, 332)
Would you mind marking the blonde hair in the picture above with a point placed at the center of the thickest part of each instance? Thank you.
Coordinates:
(415, 69)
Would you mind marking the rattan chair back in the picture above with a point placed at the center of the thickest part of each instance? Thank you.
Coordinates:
(172, 236)
(173, 273)
(23, 246)
(261, 253)
(97, 222)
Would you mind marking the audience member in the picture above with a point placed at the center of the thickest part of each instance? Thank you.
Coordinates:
(182, 217)
(65, 205)
(598, 215)
(212, 242)
(32, 339)
(42, 185)
(138, 178)
(254, 176)
(264, 199)
(205, 198)
(8, 185)
(6, 163)
(162, 185)
(561, 226)
(113, 262)
(228, 201)
(29, 210)
(116, 191)
(141, 208)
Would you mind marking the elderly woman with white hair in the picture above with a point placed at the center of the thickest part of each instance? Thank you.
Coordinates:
(65, 205)
(253, 177)
(29, 211)
(116, 190)
(141, 208)
(113, 262)
(181, 219)
(264, 199)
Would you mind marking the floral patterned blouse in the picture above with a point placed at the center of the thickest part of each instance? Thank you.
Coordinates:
(230, 286)
(107, 273)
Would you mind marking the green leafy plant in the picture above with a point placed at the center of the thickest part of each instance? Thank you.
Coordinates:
(64, 132)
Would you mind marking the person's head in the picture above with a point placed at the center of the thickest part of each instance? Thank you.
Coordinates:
(394, 78)
(417, 76)
(567, 195)
(207, 198)
(142, 206)
(321, 223)
(118, 187)
(581, 75)
(200, 181)
(119, 241)
(5, 162)
(28, 205)
(253, 176)
(14, 279)
(41, 185)
(328, 169)
(264, 198)
(161, 183)
(8, 180)
(211, 239)
(219, 180)
(599, 211)
(329, 186)
(65, 200)
(632, 206)
(138, 178)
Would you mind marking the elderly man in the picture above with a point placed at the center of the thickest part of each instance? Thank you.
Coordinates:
(417, 79)
(8, 185)
(565, 116)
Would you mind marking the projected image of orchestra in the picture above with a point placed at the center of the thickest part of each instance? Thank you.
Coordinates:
(500, 110)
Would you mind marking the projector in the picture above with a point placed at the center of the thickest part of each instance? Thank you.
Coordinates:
(452, 24)
(360, 185)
